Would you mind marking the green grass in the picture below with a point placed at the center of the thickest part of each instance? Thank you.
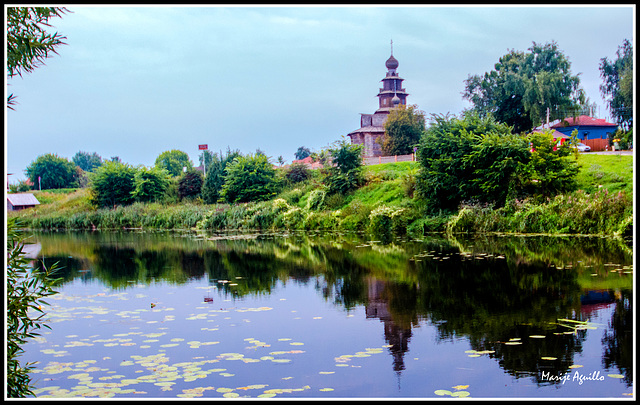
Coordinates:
(611, 172)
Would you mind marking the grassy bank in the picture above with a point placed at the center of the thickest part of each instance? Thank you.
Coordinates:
(385, 205)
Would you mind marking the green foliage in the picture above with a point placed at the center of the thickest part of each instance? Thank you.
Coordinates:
(25, 292)
(346, 173)
(551, 169)
(87, 162)
(453, 164)
(173, 161)
(150, 184)
(53, 171)
(297, 172)
(21, 187)
(112, 184)
(28, 42)
(249, 178)
(190, 184)
(617, 86)
(403, 129)
(600, 213)
(384, 221)
(523, 85)
(215, 175)
(315, 202)
(302, 153)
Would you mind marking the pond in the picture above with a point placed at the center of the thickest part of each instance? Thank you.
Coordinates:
(185, 315)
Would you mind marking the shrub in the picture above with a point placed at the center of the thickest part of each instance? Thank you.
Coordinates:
(190, 184)
(112, 184)
(150, 184)
(297, 172)
(386, 220)
(346, 173)
(315, 202)
(249, 178)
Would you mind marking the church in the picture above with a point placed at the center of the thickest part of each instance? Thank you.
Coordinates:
(372, 125)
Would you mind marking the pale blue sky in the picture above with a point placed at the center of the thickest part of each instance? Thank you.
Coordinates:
(134, 82)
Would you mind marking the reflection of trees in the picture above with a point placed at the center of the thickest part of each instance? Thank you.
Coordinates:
(487, 289)
(618, 341)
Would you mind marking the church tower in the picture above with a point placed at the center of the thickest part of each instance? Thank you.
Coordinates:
(372, 125)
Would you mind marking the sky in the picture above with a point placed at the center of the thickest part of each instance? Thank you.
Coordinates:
(135, 81)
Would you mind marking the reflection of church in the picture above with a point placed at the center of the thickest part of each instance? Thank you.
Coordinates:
(372, 125)
(396, 335)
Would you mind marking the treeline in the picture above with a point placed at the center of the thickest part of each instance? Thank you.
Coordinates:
(472, 175)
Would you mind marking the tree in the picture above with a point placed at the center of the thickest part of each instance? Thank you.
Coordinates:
(51, 171)
(471, 158)
(551, 169)
(113, 184)
(302, 153)
(87, 162)
(249, 178)
(190, 184)
(346, 173)
(403, 129)
(28, 42)
(214, 178)
(173, 161)
(523, 86)
(617, 86)
(149, 184)
(297, 172)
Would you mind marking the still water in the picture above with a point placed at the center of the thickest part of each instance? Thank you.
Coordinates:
(165, 315)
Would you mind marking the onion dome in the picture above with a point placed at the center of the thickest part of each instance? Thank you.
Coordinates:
(395, 100)
(392, 63)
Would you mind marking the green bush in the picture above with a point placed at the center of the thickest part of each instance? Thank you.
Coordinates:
(190, 184)
(112, 184)
(315, 202)
(249, 178)
(150, 184)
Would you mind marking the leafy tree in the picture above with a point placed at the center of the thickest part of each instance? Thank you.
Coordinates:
(26, 290)
(297, 172)
(346, 173)
(149, 184)
(465, 159)
(551, 169)
(190, 184)
(87, 162)
(302, 153)
(113, 184)
(214, 178)
(173, 161)
(523, 86)
(28, 42)
(249, 178)
(617, 86)
(54, 172)
(403, 129)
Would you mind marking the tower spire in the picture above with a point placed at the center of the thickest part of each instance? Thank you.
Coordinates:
(392, 47)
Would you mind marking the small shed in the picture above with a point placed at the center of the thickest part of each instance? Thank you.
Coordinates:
(20, 201)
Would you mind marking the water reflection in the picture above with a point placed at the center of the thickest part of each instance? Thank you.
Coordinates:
(505, 295)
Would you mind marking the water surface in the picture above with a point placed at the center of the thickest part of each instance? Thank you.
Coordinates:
(146, 315)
